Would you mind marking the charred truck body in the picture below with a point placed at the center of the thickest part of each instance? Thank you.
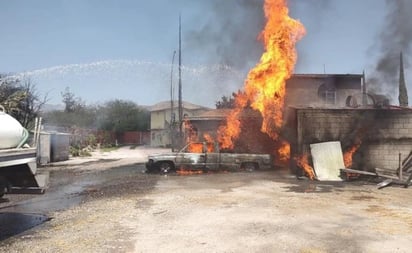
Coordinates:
(206, 156)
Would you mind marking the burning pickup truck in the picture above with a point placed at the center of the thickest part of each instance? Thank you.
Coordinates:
(206, 156)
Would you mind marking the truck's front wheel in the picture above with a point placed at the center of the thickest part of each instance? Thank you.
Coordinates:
(165, 167)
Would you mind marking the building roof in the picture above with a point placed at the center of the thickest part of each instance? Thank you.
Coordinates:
(341, 81)
(213, 114)
(327, 75)
(221, 114)
(165, 105)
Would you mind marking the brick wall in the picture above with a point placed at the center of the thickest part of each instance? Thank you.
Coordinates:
(383, 133)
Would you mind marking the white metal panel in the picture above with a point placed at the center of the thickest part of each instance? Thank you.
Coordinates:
(327, 160)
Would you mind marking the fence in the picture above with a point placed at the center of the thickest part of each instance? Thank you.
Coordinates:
(84, 136)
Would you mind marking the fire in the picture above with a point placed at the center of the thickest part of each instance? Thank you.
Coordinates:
(195, 145)
(208, 138)
(303, 162)
(348, 155)
(284, 151)
(195, 148)
(190, 131)
(230, 132)
(265, 84)
(183, 172)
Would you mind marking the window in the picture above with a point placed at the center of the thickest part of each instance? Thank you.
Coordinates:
(327, 92)
(330, 97)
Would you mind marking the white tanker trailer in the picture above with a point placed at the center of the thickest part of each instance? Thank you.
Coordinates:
(18, 163)
(11, 131)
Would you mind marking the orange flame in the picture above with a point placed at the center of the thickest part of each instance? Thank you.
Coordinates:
(265, 84)
(348, 155)
(195, 148)
(208, 138)
(284, 151)
(303, 163)
(228, 133)
(183, 172)
(190, 131)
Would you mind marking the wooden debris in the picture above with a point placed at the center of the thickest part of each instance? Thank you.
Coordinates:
(403, 174)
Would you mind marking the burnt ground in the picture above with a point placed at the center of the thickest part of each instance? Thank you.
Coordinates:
(110, 205)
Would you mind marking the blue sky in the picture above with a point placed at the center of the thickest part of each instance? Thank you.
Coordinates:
(108, 49)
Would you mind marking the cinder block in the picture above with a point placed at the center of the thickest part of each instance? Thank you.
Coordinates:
(403, 132)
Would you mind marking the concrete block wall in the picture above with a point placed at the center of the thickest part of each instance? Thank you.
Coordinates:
(384, 133)
(385, 155)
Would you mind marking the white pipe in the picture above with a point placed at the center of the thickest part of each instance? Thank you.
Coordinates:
(39, 130)
(35, 132)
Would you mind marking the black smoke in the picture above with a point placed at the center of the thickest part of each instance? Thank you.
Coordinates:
(230, 35)
(395, 37)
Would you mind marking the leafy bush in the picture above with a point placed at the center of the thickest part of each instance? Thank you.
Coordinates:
(77, 151)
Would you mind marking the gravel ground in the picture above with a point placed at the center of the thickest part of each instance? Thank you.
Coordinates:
(123, 209)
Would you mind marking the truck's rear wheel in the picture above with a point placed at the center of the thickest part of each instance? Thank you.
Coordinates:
(165, 167)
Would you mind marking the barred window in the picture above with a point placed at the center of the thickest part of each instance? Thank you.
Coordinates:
(327, 92)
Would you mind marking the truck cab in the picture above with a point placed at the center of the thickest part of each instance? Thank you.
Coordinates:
(198, 155)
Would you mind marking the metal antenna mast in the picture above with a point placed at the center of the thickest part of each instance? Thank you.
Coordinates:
(180, 77)
(172, 114)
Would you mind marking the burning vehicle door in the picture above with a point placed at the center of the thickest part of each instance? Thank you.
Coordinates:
(191, 157)
(212, 156)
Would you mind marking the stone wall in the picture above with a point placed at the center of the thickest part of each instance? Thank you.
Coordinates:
(382, 133)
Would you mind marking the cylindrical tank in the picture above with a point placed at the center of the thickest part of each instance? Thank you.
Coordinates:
(11, 131)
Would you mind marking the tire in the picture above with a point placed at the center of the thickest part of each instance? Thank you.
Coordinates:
(165, 167)
(250, 167)
(3, 189)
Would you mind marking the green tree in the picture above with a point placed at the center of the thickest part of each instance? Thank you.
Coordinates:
(21, 99)
(120, 116)
(228, 102)
(71, 102)
(76, 113)
(116, 115)
(86, 117)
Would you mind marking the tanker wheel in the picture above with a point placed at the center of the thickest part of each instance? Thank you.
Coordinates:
(165, 167)
(3, 189)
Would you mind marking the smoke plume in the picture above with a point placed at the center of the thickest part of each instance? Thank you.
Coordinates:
(394, 38)
(230, 36)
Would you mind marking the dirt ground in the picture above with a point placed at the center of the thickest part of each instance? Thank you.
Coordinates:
(113, 206)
